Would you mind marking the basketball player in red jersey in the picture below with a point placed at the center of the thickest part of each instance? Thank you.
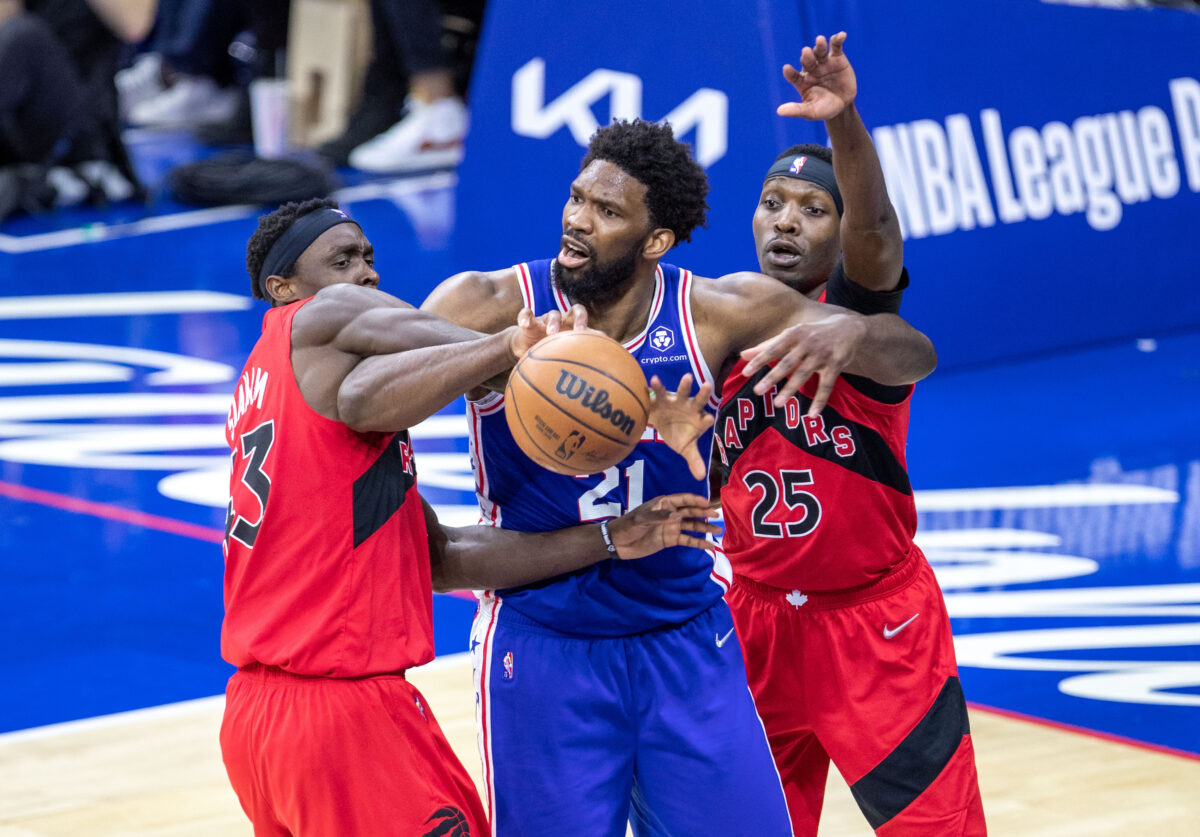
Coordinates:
(331, 553)
(845, 634)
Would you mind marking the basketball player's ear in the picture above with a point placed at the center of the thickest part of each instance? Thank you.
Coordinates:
(281, 290)
(658, 242)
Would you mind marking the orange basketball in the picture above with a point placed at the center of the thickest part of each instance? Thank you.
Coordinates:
(577, 402)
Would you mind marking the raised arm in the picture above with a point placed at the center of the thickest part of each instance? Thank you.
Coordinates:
(762, 320)
(881, 347)
(872, 247)
(488, 558)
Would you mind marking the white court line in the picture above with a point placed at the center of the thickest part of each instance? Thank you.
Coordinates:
(204, 217)
(105, 232)
(1042, 497)
(54, 306)
(985, 539)
(168, 710)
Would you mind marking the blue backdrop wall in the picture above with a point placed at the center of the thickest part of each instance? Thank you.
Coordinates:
(1044, 158)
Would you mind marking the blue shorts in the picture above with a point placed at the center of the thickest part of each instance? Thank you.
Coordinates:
(580, 734)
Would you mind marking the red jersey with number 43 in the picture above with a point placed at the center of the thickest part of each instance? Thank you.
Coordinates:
(815, 504)
(326, 558)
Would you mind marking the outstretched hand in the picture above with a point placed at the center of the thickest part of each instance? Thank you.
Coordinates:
(822, 348)
(531, 330)
(680, 420)
(826, 84)
(666, 521)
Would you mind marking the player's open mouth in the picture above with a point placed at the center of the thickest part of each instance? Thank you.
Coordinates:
(783, 253)
(573, 254)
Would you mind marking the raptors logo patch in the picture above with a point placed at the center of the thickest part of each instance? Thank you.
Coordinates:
(448, 822)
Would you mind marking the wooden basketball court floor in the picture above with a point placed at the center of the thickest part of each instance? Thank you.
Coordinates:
(1069, 561)
(158, 772)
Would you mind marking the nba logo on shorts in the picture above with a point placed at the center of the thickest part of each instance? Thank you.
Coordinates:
(662, 338)
(508, 666)
(798, 164)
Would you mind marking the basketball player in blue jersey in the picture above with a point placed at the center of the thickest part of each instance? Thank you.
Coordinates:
(618, 692)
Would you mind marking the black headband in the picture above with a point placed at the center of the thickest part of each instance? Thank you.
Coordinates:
(810, 168)
(295, 240)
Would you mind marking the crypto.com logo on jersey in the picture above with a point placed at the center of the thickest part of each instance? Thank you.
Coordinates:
(706, 110)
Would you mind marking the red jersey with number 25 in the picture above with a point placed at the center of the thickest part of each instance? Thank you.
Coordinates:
(326, 557)
(815, 504)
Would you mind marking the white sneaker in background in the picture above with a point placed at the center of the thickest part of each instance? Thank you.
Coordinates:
(107, 178)
(69, 189)
(142, 81)
(190, 101)
(429, 136)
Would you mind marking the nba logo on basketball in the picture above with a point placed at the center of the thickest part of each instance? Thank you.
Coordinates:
(662, 338)
(798, 164)
(570, 444)
(508, 666)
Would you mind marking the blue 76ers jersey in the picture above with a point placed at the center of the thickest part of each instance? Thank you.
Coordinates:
(614, 597)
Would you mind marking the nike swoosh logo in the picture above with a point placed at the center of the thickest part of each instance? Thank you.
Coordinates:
(721, 640)
(888, 633)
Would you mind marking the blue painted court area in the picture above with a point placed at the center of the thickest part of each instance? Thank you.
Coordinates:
(1065, 529)
(1059, 495)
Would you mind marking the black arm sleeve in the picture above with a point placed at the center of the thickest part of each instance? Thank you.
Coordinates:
(844, 291)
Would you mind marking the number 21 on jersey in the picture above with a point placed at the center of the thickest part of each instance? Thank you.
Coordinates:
(590, 506)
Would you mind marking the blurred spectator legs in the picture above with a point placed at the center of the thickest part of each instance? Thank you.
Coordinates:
(195, 75)
(54, 146)
(430, 133)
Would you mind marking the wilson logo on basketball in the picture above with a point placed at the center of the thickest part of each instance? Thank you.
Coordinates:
(577, 402)
(597, 400)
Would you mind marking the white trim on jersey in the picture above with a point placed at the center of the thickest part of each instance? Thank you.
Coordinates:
(722, 571)
(483, 631)
(700, 368)
(560, 298)
(489, 511)
(525, 280)
(660, 291)
(492, 402)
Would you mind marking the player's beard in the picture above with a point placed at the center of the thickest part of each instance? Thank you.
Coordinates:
(596, 285)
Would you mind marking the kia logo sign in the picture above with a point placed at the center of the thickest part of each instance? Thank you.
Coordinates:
(706, 110)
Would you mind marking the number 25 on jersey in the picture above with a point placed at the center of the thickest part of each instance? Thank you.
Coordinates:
(800, 510)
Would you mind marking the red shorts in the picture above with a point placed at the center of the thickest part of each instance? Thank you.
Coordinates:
(868, 680)
(322, 756)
